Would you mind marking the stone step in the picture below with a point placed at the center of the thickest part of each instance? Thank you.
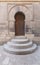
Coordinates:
(20, 37)
(19, 41)
(20, 51)
(19, 46)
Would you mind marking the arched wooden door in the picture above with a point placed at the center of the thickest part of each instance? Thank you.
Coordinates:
(19, 24)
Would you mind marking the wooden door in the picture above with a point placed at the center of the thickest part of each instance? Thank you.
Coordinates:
(19, 24)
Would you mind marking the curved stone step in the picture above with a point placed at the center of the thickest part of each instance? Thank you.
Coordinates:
(20, 51)
(19, 41)
(20, 37)
(19, 46)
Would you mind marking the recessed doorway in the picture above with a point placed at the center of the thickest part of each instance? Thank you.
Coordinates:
(19, 24)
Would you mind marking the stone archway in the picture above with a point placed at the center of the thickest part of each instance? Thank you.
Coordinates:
(19, 23)
(13, 9)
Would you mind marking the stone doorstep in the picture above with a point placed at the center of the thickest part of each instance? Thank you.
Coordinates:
(7, 37)
(20, 45)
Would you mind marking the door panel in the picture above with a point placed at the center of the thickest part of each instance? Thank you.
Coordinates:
(19, 25)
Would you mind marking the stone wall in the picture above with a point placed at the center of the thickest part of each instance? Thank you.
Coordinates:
(6, 19)
(20, 0)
